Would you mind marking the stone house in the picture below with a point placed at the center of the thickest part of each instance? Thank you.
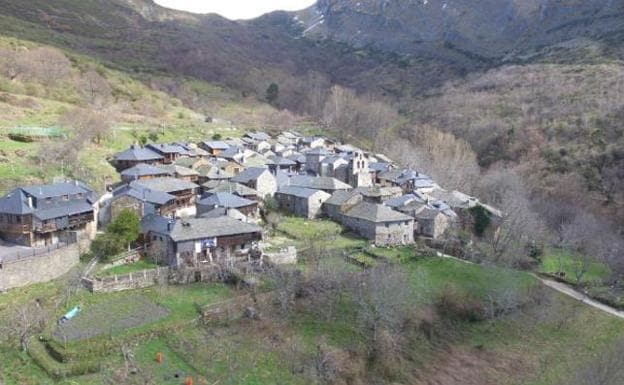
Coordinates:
(45, 215)
(180, 172)
(227, 200)
(185, 192)
(312, 142)
(278, 163)
(143, 171)
(136, 155)
(380, 224)
(304, 202)
(378, 194)
(209, 173)
(212, 187)
(431, 222)
(327, 184)
(314, 157)
(340, 202)
(259, 179)
(192, 242)
(169, 152)
(214, 147)
(141, 201)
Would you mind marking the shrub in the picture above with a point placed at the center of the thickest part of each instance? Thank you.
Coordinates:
(126, 226)
(107, 245)
(455, 305)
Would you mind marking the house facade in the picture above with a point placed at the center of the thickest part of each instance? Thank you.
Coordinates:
(303, 202)
(45, 215)
(193, 242)
(259, 179)
(379, 224)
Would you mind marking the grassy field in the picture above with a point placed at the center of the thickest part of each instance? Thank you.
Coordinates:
(533, 347)
(127, 268)
(559, 261)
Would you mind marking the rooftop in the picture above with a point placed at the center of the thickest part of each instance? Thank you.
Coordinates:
(166, 184)
(136, 153)
(202, 228)
(376, 213)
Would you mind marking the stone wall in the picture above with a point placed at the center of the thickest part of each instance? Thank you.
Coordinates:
(286, 256)
(130, 281)
(40, 268)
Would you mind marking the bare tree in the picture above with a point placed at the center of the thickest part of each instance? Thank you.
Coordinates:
(605, 369)
(519, 225)
(384, 298)
(287, 283)
(95, 88)
(45, 64)
(25, 321)
(449, 160)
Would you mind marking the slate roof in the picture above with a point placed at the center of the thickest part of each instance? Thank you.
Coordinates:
(340, 197)
(179, 170)
(144, 194)
(62, 209)
(319, 183)
(216, 145)
(56, 189)
(318, 151)
(216, 173)
(279, 161)
(376, 213)
(401, 201)
(249, 174)
(379, 166)
(16, 202)
(186, 162)
(143, 169)
(258, 135)
(231, 153)
(164, 148)
(225, 199)
(427, 213)
(378, 191)
(300, 192)
(136, 153)
(299, 158)
(215, 186)
(190, 229)
(166, 184)
(255, 160)
(155, 223)
(222, 211)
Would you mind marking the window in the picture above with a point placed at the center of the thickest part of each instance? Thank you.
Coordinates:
(65, 197)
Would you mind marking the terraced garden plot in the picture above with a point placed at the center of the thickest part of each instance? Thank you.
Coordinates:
(111, 317)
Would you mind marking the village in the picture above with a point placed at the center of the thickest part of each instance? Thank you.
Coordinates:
(206, 203)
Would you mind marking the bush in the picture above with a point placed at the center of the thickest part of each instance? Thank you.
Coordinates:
(455, 305)
(107, 245)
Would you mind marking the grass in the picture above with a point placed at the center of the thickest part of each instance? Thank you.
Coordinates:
(301, 228)
(127, 268)
(558, 260)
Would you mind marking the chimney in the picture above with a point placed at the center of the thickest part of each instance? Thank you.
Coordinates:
(30, 202)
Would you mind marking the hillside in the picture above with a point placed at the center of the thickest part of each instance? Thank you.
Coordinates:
(100, 110)
(484, 30)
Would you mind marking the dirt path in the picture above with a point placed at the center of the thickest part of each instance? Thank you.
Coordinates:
(570, 292)
(563, 289)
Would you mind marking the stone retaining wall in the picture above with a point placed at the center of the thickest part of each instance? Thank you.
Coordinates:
(40, 268)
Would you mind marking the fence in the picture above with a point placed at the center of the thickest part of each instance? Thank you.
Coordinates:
(163, 275)
(22, 254)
